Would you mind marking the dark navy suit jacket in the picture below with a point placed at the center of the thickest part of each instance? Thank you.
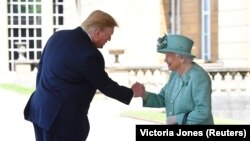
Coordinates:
(70, 71)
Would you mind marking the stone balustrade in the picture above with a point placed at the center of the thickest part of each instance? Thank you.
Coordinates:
(224, 80)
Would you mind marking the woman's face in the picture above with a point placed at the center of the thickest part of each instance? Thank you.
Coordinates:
(173, 61)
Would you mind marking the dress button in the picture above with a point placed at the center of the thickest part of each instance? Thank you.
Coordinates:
(180, 83)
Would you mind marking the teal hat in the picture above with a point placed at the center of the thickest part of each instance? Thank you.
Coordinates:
(176, 44)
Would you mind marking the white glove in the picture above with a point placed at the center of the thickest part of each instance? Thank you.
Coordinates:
(171, 120)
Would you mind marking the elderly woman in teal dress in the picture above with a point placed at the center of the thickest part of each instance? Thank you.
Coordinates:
(187, 94)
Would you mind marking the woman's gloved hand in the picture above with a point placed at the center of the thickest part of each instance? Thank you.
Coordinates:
(171, 120)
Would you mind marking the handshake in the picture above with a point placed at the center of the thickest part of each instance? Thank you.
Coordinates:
(138, 89)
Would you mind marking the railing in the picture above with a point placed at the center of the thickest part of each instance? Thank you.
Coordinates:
(224, 80)
(230, 80)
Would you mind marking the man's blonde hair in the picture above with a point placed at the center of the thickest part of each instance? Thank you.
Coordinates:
(98, 19)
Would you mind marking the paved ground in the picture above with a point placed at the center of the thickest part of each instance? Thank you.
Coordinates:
(104, 115)
(12, 125)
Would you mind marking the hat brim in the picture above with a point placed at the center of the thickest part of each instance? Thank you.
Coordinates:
(176, 52)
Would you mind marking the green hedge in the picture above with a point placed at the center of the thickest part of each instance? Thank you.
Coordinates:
(16, 88)
(159, 117)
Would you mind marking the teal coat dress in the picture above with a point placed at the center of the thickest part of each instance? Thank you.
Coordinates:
(188, 93)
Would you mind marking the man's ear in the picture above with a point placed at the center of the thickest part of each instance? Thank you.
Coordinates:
(97, 32)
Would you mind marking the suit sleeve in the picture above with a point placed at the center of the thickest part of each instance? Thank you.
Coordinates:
(93, 71)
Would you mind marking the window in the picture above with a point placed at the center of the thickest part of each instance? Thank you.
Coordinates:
(24, 29)
(206, 30)
(58, 19)
(174, 14)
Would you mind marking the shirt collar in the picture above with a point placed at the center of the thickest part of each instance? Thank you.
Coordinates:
(87, 34)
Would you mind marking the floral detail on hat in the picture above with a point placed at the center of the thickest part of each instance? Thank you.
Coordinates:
(162, 42)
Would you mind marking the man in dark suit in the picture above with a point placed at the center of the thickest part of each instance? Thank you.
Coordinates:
(70, 71)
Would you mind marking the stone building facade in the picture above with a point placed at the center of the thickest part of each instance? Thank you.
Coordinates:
(220, 29)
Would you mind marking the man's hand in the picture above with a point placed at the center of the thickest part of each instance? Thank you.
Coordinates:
(138, 89)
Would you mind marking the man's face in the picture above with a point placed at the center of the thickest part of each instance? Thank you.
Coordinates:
(102, 36)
